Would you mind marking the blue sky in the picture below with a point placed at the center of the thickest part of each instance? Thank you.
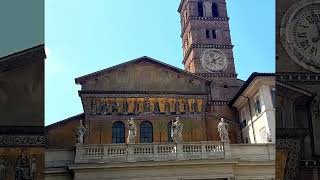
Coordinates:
(86, 36)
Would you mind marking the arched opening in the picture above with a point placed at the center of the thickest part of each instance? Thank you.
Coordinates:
(118, 132)
(215, 12)
(169, 132)
(200, 8)
(146, 132)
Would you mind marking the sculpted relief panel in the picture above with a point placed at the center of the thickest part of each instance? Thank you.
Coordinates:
(100, 106)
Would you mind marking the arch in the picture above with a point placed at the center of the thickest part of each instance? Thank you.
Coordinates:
(146, 132)
(169, 131)
(118, 132)
(200, 8)
(215, 11)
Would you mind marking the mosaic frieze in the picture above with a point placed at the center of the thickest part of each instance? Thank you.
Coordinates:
(138, 106)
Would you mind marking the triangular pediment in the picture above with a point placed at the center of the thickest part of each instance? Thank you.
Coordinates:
(143, 74)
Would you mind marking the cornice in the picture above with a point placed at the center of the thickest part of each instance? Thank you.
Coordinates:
(201, 18)
(298, 77)
(217, 46)
(21, 140)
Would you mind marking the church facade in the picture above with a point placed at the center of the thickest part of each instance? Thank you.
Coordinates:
(155, 94)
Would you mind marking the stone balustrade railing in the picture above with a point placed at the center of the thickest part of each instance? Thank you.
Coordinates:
(150, 152)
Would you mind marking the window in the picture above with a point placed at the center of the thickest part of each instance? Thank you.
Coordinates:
(207, 33)
(118, 132)
(146, 132)
(215, 12)
(257, 105)
(273, 96)
(200, 9)
(169, 132)
(214, 36)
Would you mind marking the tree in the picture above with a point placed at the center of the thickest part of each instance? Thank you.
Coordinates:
(160, 127)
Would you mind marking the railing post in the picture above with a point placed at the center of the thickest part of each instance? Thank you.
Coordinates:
(227, 150)
(180, 154)
(78, 153)
(155, 152)
(105, 153)
(203, 150)
(130, 149)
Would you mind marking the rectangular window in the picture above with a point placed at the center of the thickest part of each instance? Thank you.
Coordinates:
(257, 105)
(214, 36)
(207, 33)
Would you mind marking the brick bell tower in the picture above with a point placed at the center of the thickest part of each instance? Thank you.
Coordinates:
(207, 47)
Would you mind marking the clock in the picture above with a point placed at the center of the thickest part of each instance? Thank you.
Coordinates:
(300, 34)
(214, 60)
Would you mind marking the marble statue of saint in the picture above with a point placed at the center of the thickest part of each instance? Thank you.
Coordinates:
(176, 131)
(156, 107)
(177, 107)
(125, 107)
(136, 107)
(79, 133)
(33, 171)
(186, 107)
(223, 131)
(3, 167)
(146, 106)
(22, 168)
(195, 106)
(167, 107)
(132, 131)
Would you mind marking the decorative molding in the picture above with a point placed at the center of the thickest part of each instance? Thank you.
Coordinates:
(217, 74)
(20, 140)
(310, 164)
(216, 46)
(201, 18)
(107, 94)
(298, 77)
(293, 148)
(21, 130)
(144, 116)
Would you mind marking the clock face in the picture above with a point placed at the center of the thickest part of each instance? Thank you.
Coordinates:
(214, 60)
(300, 34)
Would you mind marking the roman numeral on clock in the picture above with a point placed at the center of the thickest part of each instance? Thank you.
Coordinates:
(302, 35)
(305, 44)
(313, 51)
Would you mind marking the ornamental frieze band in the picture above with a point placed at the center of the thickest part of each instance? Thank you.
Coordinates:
(20, 140)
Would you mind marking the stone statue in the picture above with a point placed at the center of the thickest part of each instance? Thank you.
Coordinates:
(177, 107)
(167, 107)
(176, 131)
(79, 133)
(93, 107)
(156, 107)
(195, 106)
(125, 107)
(186, 107)
(33, 173)
(132, 131)
(146, 106)
(22, 168)
(136, 107)
(223, 131)
(3, 167)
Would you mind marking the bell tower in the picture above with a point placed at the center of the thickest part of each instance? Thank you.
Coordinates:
(207, 47)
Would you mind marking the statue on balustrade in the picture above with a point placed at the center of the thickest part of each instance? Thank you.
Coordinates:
(132, 131)
(79, 133)
(176, 131)
(177, 107)
(93, 107)
(125, 107)
(146, 106)
(156, 107)
(167, 107)
(194, 107)
(33, 173)
(3, 167)
(186, 107)
(223, 131)
(136, 107)
(104, 108)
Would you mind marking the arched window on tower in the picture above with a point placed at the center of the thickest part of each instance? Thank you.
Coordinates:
(146, 132)
(169, 132)
(215, 12)
(200, 8)
(118, 132)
